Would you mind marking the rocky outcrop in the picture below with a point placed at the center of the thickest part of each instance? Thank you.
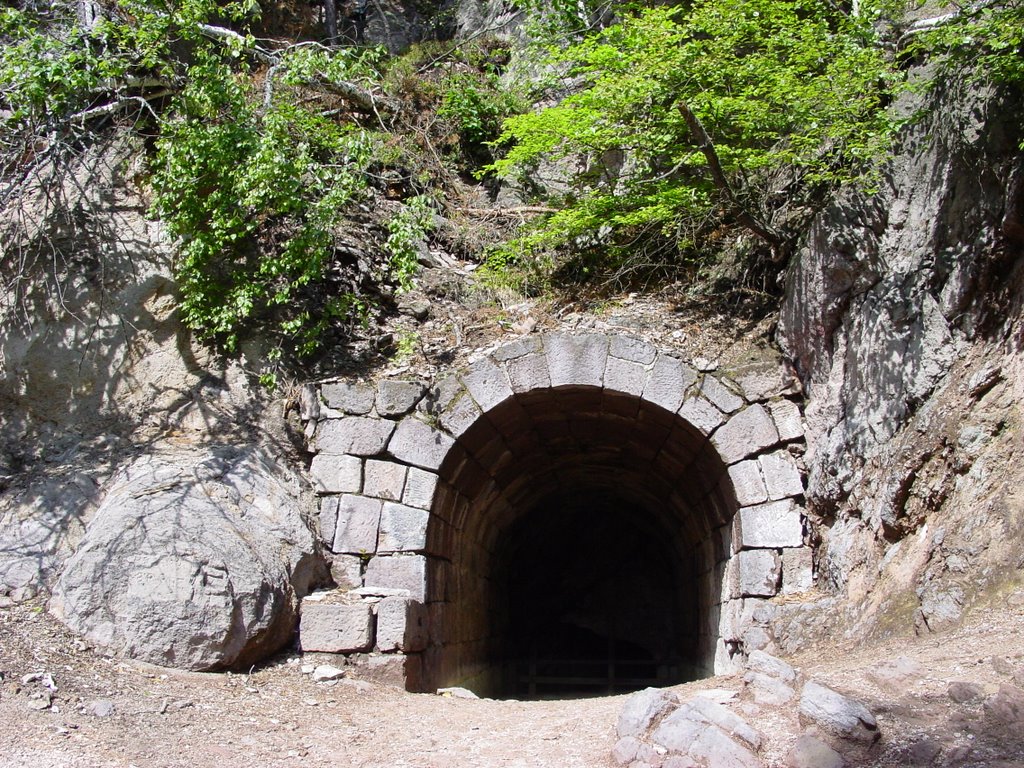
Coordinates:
(899, 315)
(195, 560)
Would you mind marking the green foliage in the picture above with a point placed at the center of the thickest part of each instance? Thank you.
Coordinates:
(253, 191)
(476, 103)
(795, 86)
(406, 231)
(986, 38)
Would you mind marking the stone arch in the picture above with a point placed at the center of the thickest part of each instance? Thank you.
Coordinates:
(438, 490)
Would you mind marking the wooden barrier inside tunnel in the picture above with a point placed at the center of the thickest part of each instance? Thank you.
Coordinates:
(586, 561)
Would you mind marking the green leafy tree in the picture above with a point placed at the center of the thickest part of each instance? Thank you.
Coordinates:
(682, 119)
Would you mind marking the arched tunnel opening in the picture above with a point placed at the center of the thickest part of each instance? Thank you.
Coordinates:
(578, 544)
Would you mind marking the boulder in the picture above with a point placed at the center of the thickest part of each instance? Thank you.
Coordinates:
(193, 560)
(643, 709)
(837, 716)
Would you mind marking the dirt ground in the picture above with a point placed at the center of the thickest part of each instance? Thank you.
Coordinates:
(279, 716)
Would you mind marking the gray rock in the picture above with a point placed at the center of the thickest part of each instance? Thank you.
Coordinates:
(721, 397)
(1006, 706)
(668, 381)
(323, 673)
(765, 689)
(774, 524)
(358, 525)
(402, 528)
(781, 475)
(643, 709)
(811, 752)
(748, 483)
(399, 572)
(487, 383)
(384, 479)
(576, 360)
(625, 749)
(419, 444)
(797, 570)
(353, 435)
(100, 708)
(336, 474)
(837, 715)
(194, 561)
(756, 573)
(354, 399)
(401, 625)
(335, 627)
(766, 664)
(748, 432)
(963, 692)
(694, 716)
(397, 398)
(419, 488)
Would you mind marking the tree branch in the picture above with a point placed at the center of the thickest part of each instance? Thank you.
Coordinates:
(703, 141)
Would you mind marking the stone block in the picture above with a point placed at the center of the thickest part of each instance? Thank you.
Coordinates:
(528, 372)
(756, 573)
(402, 528)
(519, 348)
(787, 418)
(460, 414)
(625, 376)
(747, 483)
(419, 444)
(748, 432)
(328, 518)
(576, 360)
(797, 570)
(420, 486)
(668, 381)
(407, 572)
(358, 523)
(401, 625)
(353, 435)
(774, 524)
(384, 479)
(335, 627)
(632, 350)
(487, 383)
(336, 474)
(347, 571)
(781, 475)
(353, 399)
(397, 398)
(719, 395)
(701, 414)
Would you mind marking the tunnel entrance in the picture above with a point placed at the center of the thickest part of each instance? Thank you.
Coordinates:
(582, 537)
(589, 599)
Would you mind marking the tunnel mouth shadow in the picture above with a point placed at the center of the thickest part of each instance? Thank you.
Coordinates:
(579, 540)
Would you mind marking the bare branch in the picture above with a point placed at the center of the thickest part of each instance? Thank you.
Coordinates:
(743, 216)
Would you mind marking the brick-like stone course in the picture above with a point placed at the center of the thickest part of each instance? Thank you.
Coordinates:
(747, 433)
(335, 627)
(407, 572)
(397, 398)
(355, 399)
(774, 524)
(576, 360)
(419, 444)
(336, 474)
(401, 625)
(353, 435)
(402, 528)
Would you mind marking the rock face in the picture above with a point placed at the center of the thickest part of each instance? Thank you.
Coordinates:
(194, 561)
(894, 308)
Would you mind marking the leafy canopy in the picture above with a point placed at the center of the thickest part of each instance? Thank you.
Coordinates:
(776, 84)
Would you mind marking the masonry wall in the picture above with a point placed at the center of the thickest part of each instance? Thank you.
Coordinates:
(420, 481)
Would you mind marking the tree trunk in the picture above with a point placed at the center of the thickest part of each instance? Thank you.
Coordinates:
(331, 21)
